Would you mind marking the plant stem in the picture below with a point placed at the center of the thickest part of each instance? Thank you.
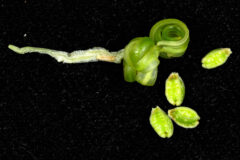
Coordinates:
(79, 56)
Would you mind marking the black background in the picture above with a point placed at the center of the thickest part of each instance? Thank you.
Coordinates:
(51, 110)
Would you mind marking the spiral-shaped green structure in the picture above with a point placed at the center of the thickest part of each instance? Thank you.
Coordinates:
(140, 61)
(172, 36)
(169, 38)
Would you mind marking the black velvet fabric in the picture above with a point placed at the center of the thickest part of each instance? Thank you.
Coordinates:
(56, 111)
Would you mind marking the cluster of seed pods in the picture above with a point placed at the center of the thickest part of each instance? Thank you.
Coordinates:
(181, 115)
(175, 92)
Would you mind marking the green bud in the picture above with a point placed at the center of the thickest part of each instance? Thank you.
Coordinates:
(184, 117)
(174, 89)
(216, 57)
(161, 123)
(172, 36)
(140, 61)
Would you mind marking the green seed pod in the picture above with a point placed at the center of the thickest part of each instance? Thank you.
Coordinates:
(172, 36)
(174, 89)
(184, 117)
(140, 61)
(215, 58)
(161, 123)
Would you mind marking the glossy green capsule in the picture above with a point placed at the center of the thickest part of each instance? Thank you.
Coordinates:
(174, 89)
(140, 61)
(172, 36)
(215, 58)
(184, 117)
(161, 123)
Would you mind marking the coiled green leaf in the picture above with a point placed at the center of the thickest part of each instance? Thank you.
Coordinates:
(140, 61)
(172, 36)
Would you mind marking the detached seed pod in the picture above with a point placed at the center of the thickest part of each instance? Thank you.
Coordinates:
(161, 123)
(174, 89)
(140, 61)
(216, 57)
(184, 117)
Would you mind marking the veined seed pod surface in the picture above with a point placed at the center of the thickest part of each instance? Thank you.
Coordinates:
(184, 117)
(140, 61)
(215, 58)
(172, 36)
(174, 89)
(161, 123)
